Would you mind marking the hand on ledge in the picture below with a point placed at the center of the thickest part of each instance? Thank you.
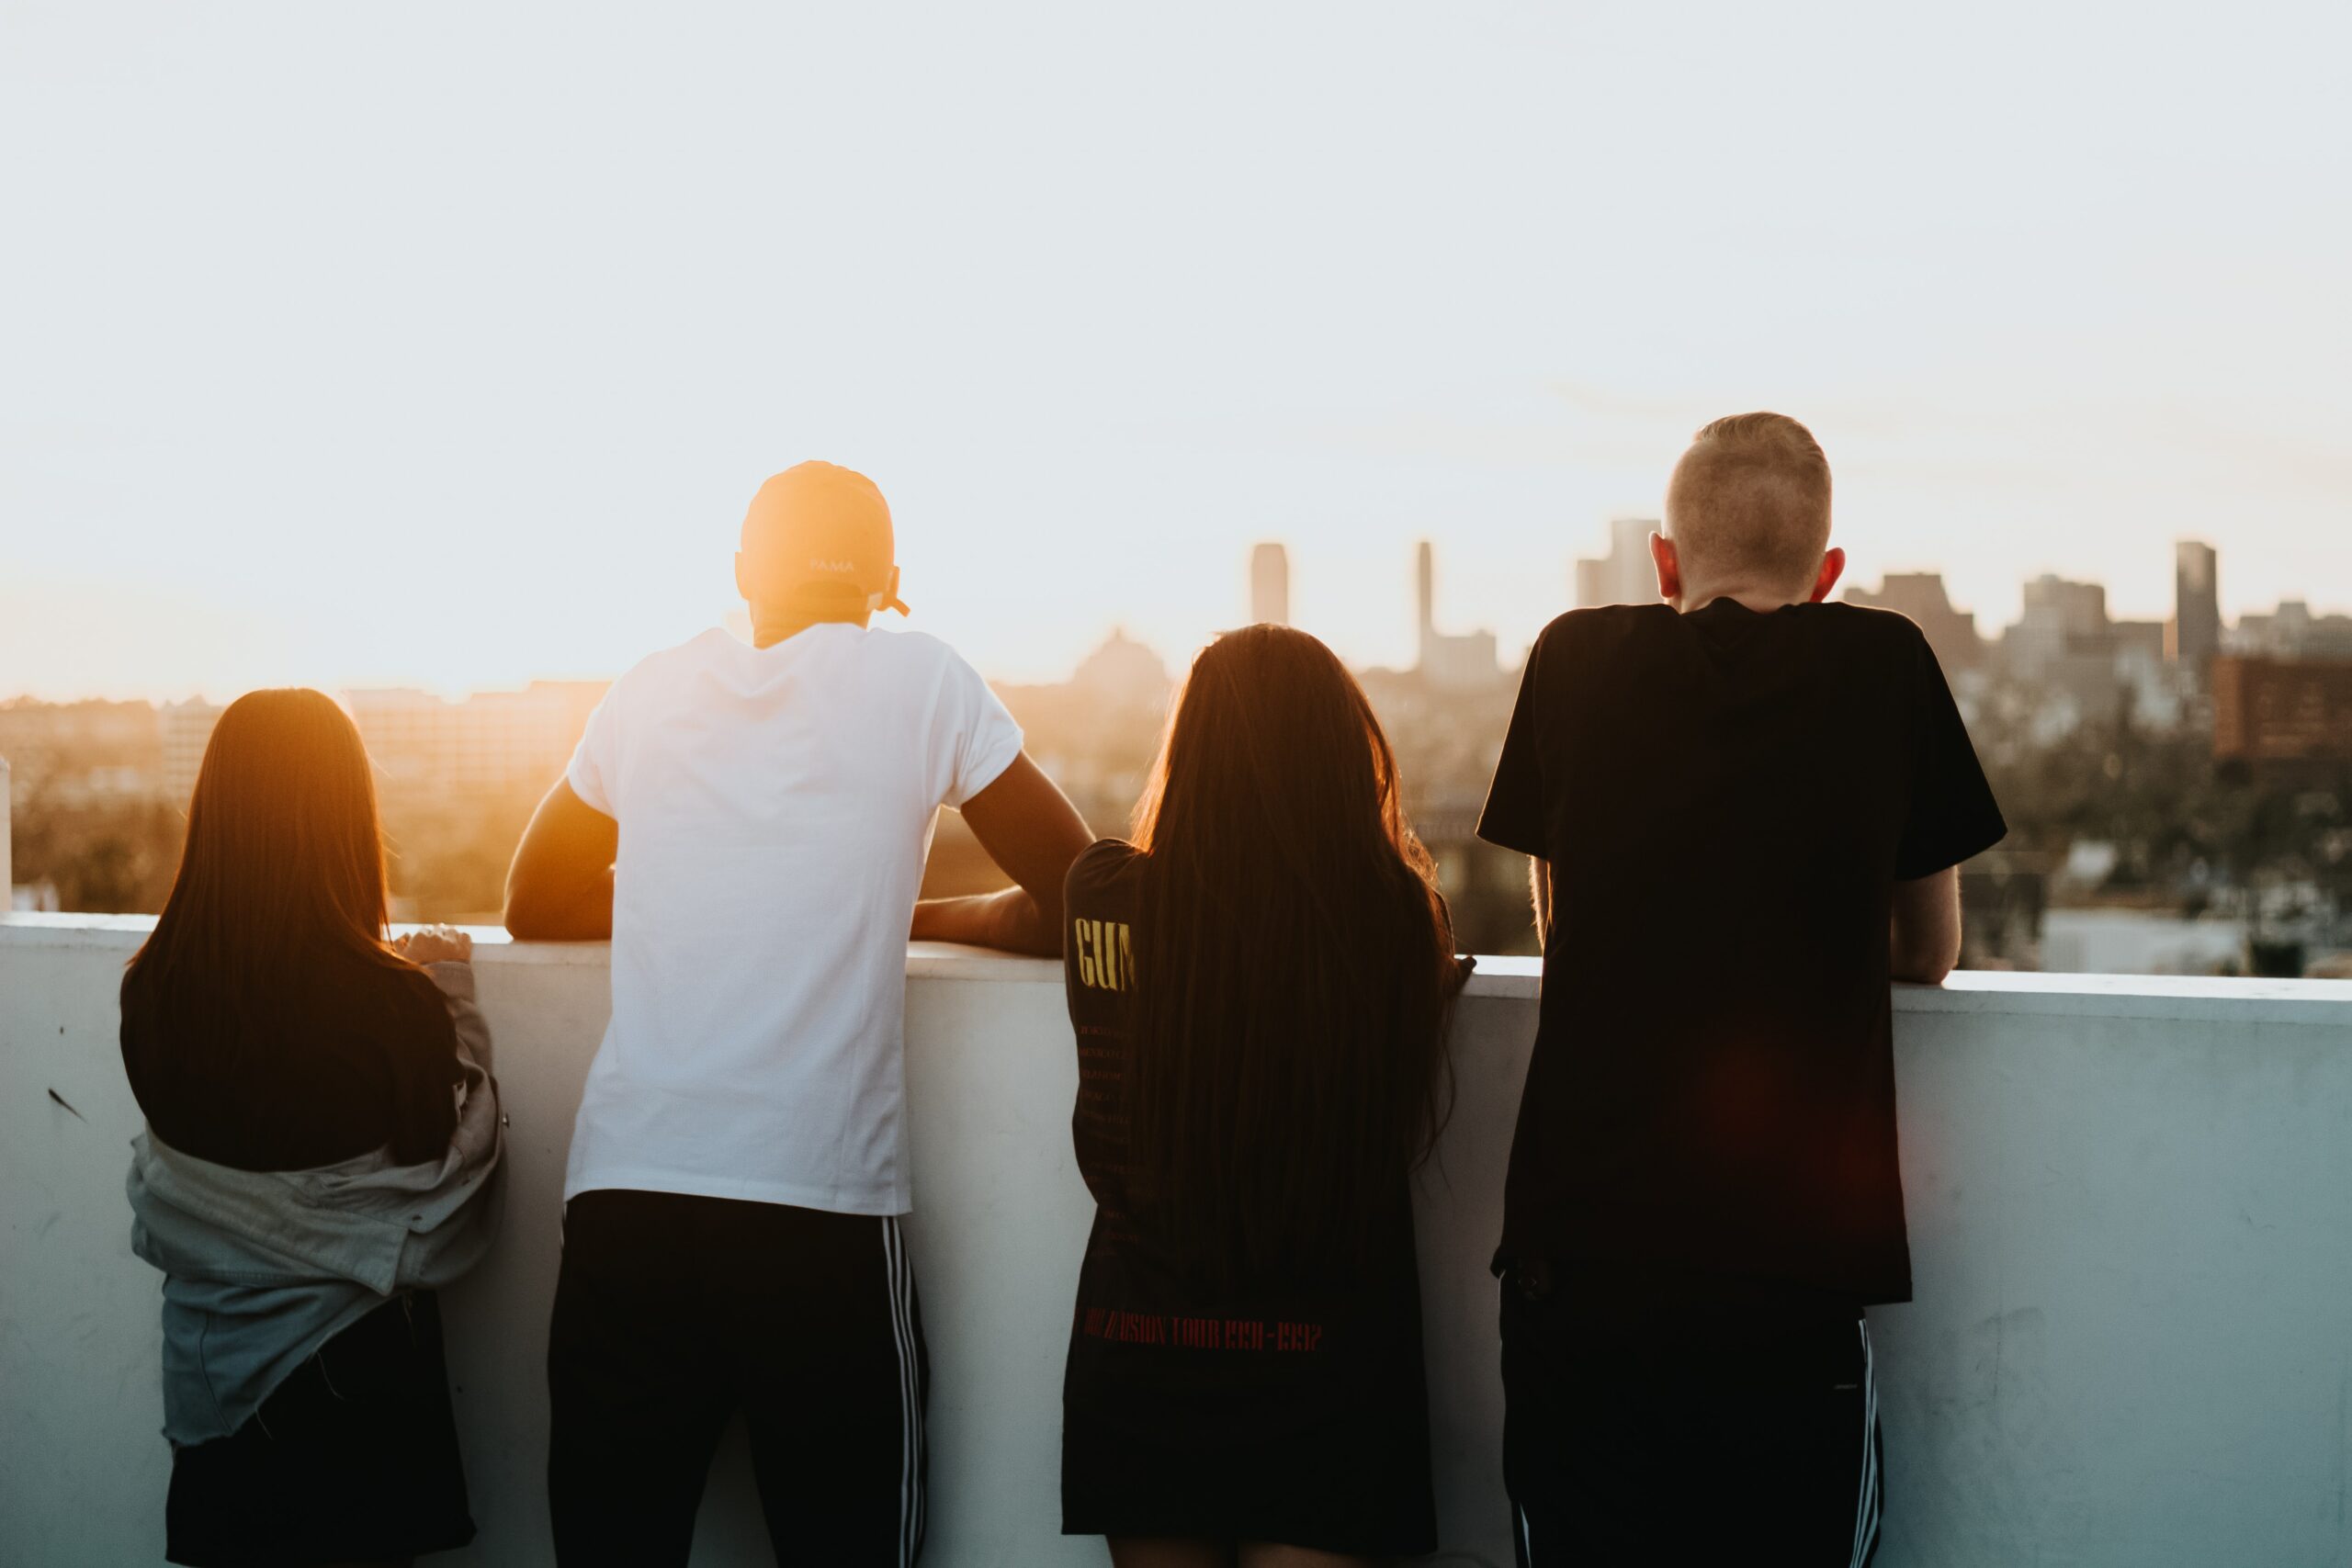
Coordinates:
(435, 944)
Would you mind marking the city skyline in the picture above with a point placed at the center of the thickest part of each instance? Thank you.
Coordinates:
(2088, 665)
(1314, 582)
(1619, 573)
(488, 400)
(2228, 715)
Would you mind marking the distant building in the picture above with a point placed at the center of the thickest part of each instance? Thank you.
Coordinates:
(2292, 631)
(89, 753)
(1921, 596)
(1626, 575)
(1123, 673)
(2087, 669)
(2061, 618)
(2281, 710)
(2155, 688)
(2194, 635)
(2138, 639)
(1270, 585)
(1449, 661)
(489, 741)
(187, 731)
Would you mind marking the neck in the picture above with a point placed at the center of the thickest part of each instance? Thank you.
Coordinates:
(770, 625)
(1763, 601)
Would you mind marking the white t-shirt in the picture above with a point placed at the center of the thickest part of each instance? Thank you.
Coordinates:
(775, 805)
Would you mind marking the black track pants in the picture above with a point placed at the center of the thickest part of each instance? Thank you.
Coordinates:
(1659, 1442)
(672, 1314)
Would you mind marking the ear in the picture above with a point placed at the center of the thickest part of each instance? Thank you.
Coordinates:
(1669, 567)
(1833, 566)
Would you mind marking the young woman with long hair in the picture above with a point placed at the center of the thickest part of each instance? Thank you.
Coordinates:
(321, 1134)
(1259, 983)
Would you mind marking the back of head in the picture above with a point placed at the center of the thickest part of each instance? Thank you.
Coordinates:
(1292, 958)
(818, 542)
(283, 861)
(1749, 503)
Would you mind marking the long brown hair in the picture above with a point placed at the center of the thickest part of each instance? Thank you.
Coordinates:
(1295, 964)
(284, 862)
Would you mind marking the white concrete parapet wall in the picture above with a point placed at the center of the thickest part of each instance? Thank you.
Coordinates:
(2131, 1206)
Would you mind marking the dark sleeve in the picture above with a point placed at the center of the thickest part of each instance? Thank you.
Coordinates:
(1086, 890)
(420, 1054)
(1516, 810)
(1951, 814)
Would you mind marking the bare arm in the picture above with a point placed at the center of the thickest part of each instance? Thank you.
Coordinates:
(1032, 832)
(1539, 888)
(560, 886)
(1923, 939)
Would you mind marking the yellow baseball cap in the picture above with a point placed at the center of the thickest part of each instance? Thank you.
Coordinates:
(819, 535)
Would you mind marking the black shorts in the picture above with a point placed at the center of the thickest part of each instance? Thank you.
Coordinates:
(1679, 1435)
(352, 1458)
(672, 1314)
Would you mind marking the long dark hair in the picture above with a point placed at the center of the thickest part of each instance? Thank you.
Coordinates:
(284, 862)
(1294, 963)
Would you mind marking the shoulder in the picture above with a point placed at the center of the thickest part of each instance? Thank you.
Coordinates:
(1886, 643)
(1104, 869)
(937, 689)
(1869, 623)
(412, 1007)
(1606, 624)
(713, 645)
(665, 668)
(916, 652)
(901, 662)
(1569, 641)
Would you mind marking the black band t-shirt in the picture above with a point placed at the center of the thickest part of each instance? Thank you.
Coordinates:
(1726, 799)
(1294, 1351)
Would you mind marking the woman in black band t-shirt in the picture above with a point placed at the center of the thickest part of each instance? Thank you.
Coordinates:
(1258, 986)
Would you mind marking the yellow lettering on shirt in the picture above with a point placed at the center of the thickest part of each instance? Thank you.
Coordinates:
(1106, 954)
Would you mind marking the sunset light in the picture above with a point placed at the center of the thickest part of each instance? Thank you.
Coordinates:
(1290, 785)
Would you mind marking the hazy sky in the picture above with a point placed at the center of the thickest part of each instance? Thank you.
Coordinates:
(444, 345)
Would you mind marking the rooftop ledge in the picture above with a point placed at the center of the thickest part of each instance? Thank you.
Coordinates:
(1967, 991)
(2130, 1198)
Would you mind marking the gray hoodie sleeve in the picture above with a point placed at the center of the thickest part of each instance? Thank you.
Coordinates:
(456, 983)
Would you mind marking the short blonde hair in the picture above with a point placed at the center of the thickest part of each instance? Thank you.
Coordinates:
(1751, 496)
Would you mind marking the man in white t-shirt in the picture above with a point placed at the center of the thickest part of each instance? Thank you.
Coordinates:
(748, 824)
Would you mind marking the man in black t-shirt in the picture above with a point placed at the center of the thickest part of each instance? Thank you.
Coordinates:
(1750, 805)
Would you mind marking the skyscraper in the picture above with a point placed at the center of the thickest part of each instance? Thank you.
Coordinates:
(1425, 590)
(1454, 662)
(1270, 584)
(2196, 630)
